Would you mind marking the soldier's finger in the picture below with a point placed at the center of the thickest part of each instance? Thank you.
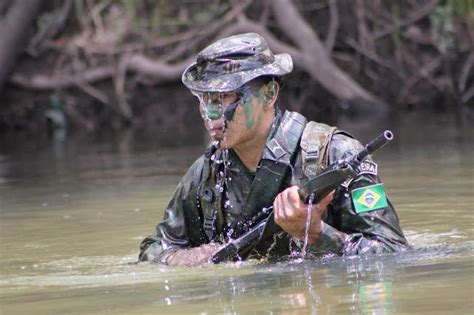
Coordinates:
(293, 195)
(279, 212)
(326, 200)
(276, 209)
(289, 207)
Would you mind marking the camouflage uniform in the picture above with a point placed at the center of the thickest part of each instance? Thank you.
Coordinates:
(206, 207)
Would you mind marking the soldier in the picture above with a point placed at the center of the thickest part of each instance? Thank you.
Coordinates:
(257, 155)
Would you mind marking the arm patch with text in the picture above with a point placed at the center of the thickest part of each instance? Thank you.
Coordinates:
(368, 167)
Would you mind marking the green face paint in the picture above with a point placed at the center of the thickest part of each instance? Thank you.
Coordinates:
(249, 108)
(214, 111)
(248, 113)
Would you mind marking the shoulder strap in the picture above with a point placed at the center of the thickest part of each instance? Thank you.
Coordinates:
(276, 164)
(275, 167)
(207, 198)
(315, 147)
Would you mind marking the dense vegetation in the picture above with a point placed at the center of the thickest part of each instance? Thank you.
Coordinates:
(96, 63)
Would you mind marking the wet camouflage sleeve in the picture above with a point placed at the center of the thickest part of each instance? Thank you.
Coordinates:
(346, 232)
(178, 229)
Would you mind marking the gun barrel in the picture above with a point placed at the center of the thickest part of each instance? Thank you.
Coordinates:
(377, 143)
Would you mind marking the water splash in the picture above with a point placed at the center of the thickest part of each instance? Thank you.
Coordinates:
(307, 226)
(222, 181)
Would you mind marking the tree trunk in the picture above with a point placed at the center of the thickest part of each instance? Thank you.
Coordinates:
(15, 29)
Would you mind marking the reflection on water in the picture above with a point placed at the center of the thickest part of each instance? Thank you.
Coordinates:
(71, 219)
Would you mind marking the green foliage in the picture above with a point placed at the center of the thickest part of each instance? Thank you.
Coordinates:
(207, 15)
(79, 7)
(442, 26)
(462, 8)
(130, 8)
(157, 16)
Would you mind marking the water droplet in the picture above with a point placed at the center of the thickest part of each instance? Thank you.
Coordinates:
(307, 226)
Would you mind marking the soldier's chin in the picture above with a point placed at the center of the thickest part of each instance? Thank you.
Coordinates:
(223, 144)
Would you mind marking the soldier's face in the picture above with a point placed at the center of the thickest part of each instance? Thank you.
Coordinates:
(232, 118)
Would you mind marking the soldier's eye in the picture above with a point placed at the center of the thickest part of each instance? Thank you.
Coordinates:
(229, 97)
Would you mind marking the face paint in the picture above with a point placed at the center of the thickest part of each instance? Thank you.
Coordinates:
(213, 111)
(249, 108)
(248, 113)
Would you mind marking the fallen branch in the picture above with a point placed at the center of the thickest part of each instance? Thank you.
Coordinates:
(61, 81)
(163, 72)
(95, 93)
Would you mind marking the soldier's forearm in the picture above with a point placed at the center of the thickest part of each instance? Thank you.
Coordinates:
(332, 240)
(190, 256)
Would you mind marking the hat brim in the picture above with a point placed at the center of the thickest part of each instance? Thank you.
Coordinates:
(282, 65)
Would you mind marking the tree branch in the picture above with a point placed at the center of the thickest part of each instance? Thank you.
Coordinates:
(333, 26)
(245, 25)
(163, 72)
(61, 81)
(424, 72)
(315, 59)
(417, 15)
(293, 24)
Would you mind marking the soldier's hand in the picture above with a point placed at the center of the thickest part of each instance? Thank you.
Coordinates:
(290, 213)
(193, 256)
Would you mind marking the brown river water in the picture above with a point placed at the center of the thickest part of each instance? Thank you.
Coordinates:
(73, 212)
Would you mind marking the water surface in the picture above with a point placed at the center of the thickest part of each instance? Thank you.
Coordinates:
(73, 213)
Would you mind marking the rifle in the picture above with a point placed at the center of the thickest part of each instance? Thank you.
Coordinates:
(316, 188)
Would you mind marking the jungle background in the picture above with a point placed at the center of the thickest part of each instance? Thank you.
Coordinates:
(98, 65)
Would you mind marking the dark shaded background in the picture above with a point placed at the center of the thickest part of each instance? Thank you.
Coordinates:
(106, 66)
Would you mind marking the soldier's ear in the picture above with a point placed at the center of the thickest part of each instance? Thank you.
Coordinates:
(271, 91)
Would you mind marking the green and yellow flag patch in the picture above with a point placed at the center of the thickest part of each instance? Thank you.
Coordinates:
(369, 198)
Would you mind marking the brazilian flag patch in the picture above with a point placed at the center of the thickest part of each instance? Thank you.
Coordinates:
(369, 198)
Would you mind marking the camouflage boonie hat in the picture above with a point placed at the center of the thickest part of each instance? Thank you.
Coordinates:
(233, 61)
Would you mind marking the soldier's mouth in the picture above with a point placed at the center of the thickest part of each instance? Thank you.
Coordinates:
(216, 125)
(217, 134)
